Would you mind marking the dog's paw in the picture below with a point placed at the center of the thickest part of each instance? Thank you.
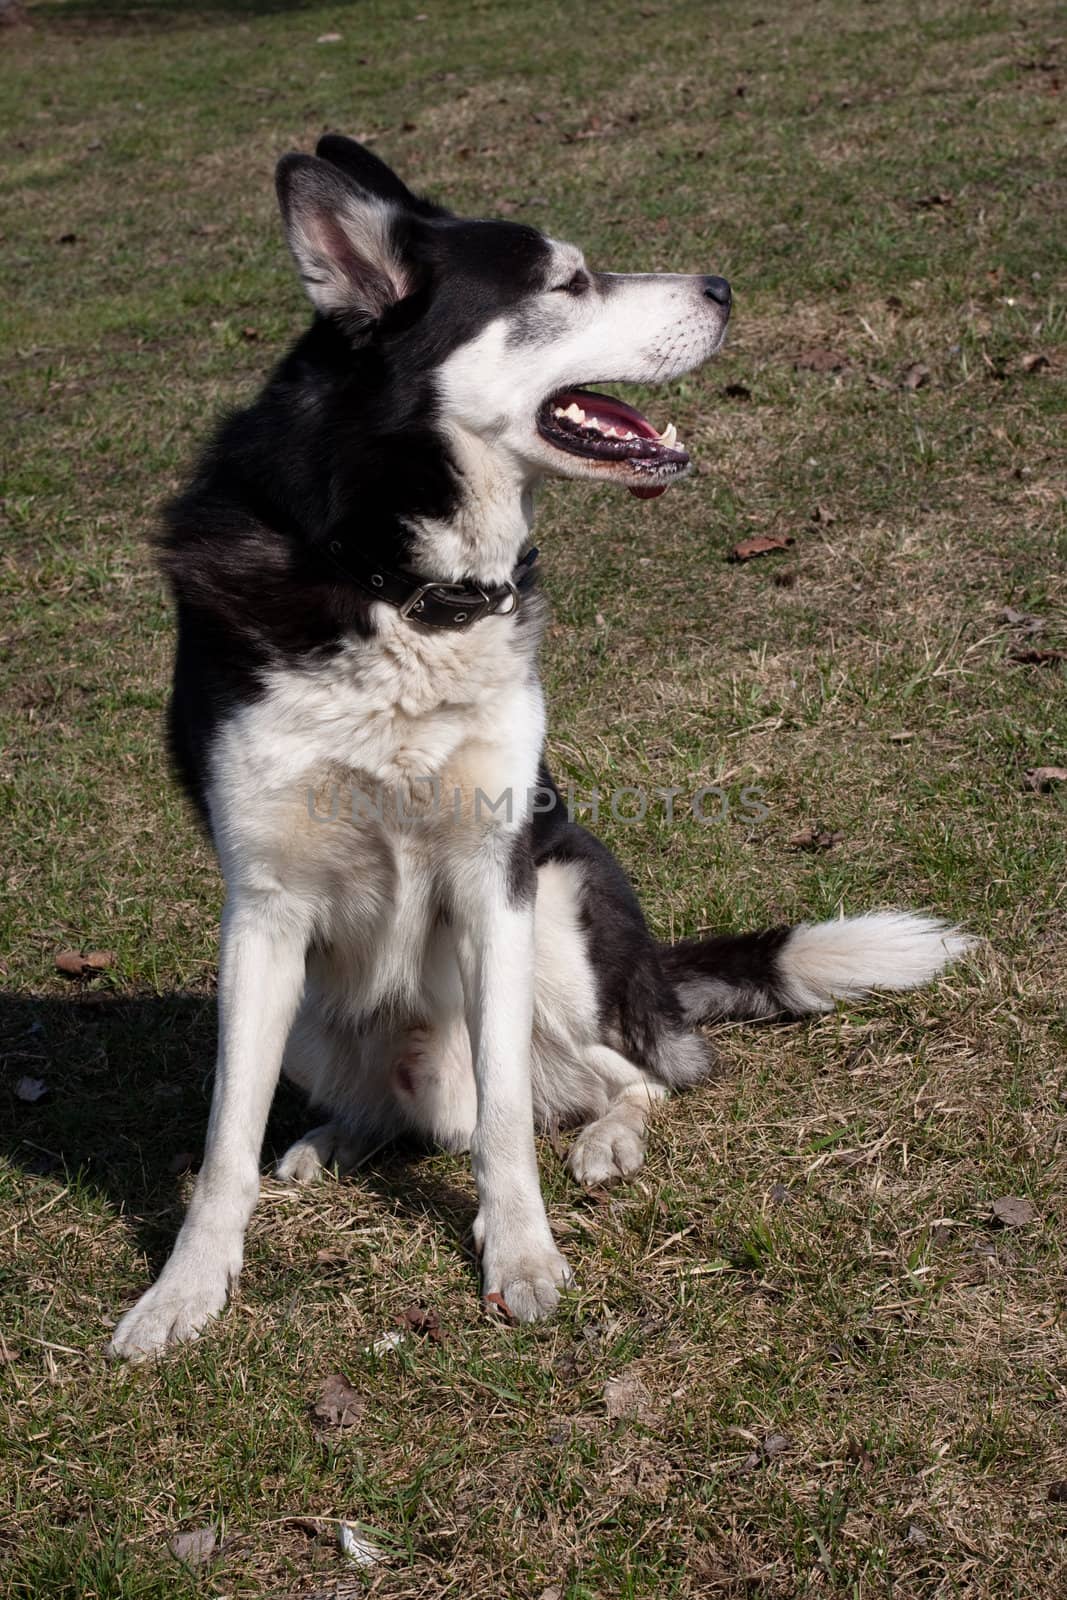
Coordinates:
(171, 1312)
(527, 1279)
(307, 1159)
(606, 1151)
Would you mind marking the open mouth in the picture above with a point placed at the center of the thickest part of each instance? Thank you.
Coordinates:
(601, 428)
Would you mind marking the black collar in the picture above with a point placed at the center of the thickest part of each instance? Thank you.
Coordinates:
(441, 605)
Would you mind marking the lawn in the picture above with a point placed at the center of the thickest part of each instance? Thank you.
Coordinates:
(806, 1355)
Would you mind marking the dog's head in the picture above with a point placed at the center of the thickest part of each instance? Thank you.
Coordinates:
(509, 327)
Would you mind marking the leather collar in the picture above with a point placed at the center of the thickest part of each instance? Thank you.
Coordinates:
(441, 605)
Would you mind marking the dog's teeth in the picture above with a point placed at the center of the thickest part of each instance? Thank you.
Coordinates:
(558, 411)
(575, 412)
(669, 434)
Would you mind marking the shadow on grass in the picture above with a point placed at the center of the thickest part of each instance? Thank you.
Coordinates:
(126, 1109)
(164, 13)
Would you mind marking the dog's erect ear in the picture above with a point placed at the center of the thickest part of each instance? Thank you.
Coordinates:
(372, 174)
(344, 240)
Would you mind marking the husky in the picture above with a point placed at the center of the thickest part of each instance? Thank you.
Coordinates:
(448, 954)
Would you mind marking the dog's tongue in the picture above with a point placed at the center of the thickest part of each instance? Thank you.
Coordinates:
(648, 494)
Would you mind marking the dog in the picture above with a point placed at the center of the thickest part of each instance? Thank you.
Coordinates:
(449, 955)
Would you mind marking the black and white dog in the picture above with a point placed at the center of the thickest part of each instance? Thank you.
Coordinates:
(356, 614)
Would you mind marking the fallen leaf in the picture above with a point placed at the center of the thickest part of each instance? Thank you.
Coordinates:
(182, 1162)
(68, 238)
(861, 1458)
(30, 1090)
(1013, 1211)
(417, 1319)
(914, 377)
(1057, 1492)
(498, 1307)
(1032, 657)
(823, 515)
(815, 838)
(1041, 779)
(775, 1444)
(1035, 362)
(819, 359)
(627, 1397)
(332, 1260)
(736, 391)
(250, 334)
(328, 38)
(786, 580)
(194, 1548)
(928, 202)
(338, 1404)
(72, 964)
(7, 1355)
(1013, 618)
(916, 1535)
(760, 545)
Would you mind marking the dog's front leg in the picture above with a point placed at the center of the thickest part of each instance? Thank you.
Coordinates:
(494, 909)
(261, 978)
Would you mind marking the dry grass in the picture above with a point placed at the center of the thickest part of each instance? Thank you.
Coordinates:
(802, 1359)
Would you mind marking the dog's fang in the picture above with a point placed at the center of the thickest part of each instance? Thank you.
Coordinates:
(669, 434)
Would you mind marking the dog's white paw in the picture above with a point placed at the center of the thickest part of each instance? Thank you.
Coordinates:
(606, 1151)
(527, 1278)
(172, 1312)
(320, 1148)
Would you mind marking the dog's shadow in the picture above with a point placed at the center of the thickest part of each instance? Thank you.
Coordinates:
(124, 1109)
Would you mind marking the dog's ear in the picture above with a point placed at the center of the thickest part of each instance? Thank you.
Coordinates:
(345, 241)
(372, 174)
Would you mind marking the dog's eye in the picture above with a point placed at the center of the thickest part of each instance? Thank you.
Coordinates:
(576, 285)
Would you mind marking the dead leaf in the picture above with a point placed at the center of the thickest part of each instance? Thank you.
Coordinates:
(786, 580)
(736, 391)
(760, 545)
(819, 359)
(1013, 1211)
(815, 838)
(1032, 657)
(417, 1319)
(328, 38)
(1057, 1492)
(929, 202)
(626, 1397)
(1035, 362)
(194, 1548)
(30, 1090)
(67, 238)
(823, 515)
(861, 1458)
(916, 1535)
(182, 1162)
(72, 964)
(7, 1355)
(775, 1444)
(498, 1307)
(332, 1260)
(1025, 620)
(914, 377)
(1041, 779)
(338, 1404)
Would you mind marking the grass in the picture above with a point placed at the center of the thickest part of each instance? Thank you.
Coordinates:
(842, 1378)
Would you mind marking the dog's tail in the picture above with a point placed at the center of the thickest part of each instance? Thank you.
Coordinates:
(794, 971)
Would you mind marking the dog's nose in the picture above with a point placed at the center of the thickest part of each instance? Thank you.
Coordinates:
(718, 289)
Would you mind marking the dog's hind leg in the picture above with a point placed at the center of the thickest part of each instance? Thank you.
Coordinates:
(613, 1146)
(338, 1066)
(261, 977)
